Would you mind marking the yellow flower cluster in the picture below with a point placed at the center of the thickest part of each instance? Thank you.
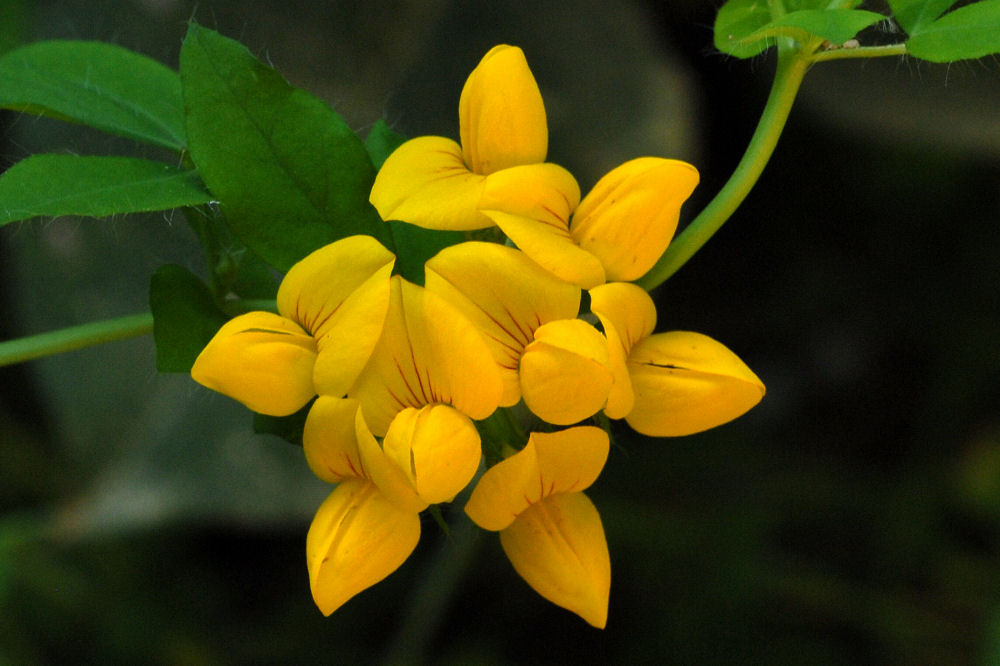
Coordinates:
(398, 373)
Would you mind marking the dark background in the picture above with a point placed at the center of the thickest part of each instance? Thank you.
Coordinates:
(852, 517)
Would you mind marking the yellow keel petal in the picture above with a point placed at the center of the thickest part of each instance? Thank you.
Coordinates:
(261, 359)
(558, 547)
(356, 539)
(501, 114)
(687, 382)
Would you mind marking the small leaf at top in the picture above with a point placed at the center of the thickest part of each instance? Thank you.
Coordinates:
(55, 185)
(966, 33)
(101, 85)
(736, 21)
(289, 174)
(185, 317)
(912, 15)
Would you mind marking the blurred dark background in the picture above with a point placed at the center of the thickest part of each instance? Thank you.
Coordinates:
(852, 517)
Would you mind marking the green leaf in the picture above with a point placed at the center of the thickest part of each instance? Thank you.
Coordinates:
(381, 142)
(736, 22)
(744, 28)
(969, 32)
(289, 428)
(912, 15)
(185, 317)
(97, 84)
(834, 25)
(55, 185)
(290, 175)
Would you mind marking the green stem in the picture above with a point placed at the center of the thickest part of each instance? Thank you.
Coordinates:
(74, 337)
(860, 52)
(792, 67)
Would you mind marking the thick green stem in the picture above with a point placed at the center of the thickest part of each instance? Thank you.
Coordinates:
(75, 337)
(792, 67)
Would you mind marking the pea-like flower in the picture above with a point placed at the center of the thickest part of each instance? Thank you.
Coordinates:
(668, 384)
(434, 182)
(331, 308)
(550, 531)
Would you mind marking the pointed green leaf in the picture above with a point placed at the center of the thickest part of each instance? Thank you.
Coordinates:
(415, 245)
(736, 22)
(55, 185)
(185, 317)
(97, 84)
(969, 32)
(289, 174)
(912, 15)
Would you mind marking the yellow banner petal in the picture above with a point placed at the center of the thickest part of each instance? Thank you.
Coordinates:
(506, 295)
(314, 289)
(558, 547)
(261, 359)
(565, 372)
(329, 440)
(356, 539)
(687, 382)
(428, 353)
(426, 183)
(629, 217)
(501, 114)
(565, 461)
(438, 449)
(628, 315)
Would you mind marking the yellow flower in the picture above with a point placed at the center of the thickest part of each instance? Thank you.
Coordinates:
(436, 183)
(549, 529)
(369, 524)
(668, 384)
(617, 232)
(331, 304)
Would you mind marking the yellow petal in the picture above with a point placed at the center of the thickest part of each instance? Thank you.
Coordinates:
(629, 217)
(426, 183)
(356, 539)
(501, 114)
(560, 462)
(558, 547)
(506, 295)
(383, 471)
(532, 205)
(565, 372)
(428, 353)
(329, 439)
(315, 288)
(558, 254)
(261, 359)
(438, 449)
(687, 382)
(628, 315)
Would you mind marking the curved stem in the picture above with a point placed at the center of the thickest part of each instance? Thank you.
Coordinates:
(792, 67)
(74, 337)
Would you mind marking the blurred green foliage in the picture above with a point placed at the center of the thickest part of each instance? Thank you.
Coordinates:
(854, 517)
